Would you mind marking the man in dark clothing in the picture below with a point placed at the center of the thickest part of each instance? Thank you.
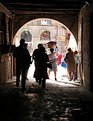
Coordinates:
(35, 57)
(22, 63)
(35, 53)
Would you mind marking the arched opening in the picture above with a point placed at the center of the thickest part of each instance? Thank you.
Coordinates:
(27, 36)
(45, 35)
(45, 30)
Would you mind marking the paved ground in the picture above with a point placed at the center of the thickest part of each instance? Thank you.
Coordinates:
(60, 101)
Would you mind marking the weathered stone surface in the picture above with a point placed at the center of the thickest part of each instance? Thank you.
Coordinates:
(55, 103)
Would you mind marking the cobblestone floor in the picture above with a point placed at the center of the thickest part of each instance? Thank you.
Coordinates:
(60, 101)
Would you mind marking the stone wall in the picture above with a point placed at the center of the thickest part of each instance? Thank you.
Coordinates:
(84, 43)
(5, 68)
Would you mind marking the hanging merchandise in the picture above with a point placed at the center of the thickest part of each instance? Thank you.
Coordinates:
(52, 44)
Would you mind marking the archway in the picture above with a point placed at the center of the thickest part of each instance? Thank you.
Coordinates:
(27, 36)
(56, 30)
(44, 30)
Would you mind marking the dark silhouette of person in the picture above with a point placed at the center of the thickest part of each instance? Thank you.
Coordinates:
(29, 60)
(22, 63)
(76, 62)
(35, 56)
(53, 60)
(41, 67)
(70, 61)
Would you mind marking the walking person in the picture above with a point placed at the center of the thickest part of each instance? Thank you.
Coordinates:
(59, 56)
(29, 60)
(76, 62)
(70, 61)
(35, 57)
(41, 67)
(53, 60)
(22, 63)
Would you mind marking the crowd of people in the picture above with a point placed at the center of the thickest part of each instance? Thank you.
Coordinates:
(41, 59)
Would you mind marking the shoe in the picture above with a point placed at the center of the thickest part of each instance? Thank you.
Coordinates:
(74, 79)
(70, 79)
(55, 79)
(39, 82)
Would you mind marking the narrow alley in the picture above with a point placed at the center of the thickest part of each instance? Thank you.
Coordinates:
(57, 24)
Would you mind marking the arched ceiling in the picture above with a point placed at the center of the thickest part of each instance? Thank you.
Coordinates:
(65, 11)
(18, 6)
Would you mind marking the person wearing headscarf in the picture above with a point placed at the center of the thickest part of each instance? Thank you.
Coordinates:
(70, 61)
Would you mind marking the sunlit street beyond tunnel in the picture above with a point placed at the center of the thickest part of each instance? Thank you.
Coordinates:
(62, 77)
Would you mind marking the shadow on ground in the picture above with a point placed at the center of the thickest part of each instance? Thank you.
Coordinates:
(55, 103)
